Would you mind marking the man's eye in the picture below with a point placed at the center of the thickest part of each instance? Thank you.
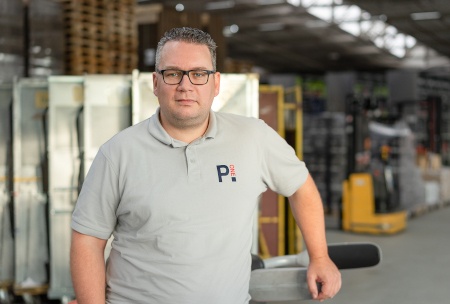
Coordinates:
(174, 74)
(199, 74)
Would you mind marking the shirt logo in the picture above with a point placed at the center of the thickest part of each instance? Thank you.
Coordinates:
(224, 170)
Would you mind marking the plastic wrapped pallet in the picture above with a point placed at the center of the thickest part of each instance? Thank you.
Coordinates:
(412, 189)
(432, 193)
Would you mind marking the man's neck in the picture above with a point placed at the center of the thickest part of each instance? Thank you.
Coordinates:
(186, 134)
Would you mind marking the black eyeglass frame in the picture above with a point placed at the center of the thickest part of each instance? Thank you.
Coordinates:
(208, 72)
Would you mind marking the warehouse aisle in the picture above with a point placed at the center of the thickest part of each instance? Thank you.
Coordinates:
(415, 268)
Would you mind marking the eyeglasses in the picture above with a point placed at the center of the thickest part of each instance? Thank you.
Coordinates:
(196, 77)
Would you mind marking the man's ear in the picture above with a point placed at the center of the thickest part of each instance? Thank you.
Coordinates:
(155, 84)
(216, 83)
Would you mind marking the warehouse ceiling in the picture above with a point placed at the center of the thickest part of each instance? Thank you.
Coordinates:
(428, 21)
(326, 35)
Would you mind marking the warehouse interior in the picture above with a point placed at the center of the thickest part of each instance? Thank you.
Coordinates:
(359, 88)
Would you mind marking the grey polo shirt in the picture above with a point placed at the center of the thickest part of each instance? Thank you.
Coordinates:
(181, 214)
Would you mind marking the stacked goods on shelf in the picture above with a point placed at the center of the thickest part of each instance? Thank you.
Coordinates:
(324, 150)
(445, 129)
(101, 36)
(412, 189)
(432, 122)
(434, 113)
(428, 117)
(435, 178)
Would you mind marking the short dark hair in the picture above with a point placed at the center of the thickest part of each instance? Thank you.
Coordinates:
(190, 35)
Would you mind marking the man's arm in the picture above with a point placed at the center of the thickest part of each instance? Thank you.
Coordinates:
(87, 264)
(308, 212)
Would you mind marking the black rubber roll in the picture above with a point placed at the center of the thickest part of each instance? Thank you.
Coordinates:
(257, 262)
(355, 255)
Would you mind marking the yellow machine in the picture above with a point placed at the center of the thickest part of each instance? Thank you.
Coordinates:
(358, 208)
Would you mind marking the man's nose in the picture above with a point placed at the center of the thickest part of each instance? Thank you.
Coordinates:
(185, 80)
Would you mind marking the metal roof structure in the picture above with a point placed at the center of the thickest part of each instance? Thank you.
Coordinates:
(331, 35)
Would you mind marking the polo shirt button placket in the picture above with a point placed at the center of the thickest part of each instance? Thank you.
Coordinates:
(193, 168)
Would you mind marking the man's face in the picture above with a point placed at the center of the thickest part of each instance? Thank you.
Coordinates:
(185, 105)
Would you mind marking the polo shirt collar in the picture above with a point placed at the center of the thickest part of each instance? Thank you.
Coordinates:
(157, 131)
(212, 126)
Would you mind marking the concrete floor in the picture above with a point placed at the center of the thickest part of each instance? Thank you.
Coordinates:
(415, 267)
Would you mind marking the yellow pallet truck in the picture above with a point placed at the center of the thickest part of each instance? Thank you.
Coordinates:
(359, 211)
(358, 208)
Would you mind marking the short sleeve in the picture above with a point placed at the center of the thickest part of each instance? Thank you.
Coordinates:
(95, 210)
(282, 171)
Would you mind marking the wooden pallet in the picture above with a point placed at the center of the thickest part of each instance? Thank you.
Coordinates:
(85, 20)
(425, 208)
(74, 43)
(32, 291)
(82, 28)
(123, 47)
(83, 69)
(101, 36)
(81, 4)
(418, 211)
(6, 284)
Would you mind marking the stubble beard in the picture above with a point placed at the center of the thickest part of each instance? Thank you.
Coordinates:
(183, 122)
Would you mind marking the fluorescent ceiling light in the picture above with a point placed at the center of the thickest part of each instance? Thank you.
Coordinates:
(425, 16)
(294, 2)
(179, 7)
(230, 30)
(359, 23)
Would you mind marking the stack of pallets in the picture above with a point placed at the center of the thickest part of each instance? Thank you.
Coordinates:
(101, 36)
(122, 35)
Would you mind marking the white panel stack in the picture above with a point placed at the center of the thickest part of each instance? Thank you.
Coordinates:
(6, 232)
(30, 200)
(65, 107)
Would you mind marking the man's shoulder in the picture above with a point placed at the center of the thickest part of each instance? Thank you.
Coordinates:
(237, 120)
(127, 136)
(238, 126)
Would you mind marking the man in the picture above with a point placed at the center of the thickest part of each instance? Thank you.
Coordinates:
(179, 190)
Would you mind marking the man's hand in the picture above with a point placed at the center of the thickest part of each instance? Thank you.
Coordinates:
(323, 272)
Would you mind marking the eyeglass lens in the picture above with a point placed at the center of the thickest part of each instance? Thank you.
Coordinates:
(195, 76)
